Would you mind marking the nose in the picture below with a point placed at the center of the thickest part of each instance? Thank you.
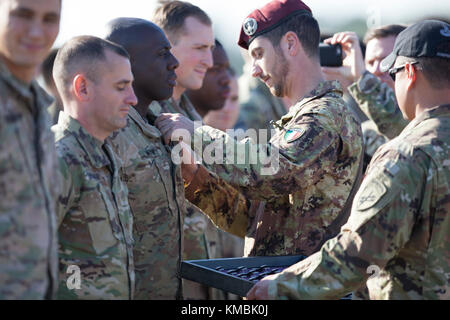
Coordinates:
(173, 63)
(208, 59)
(256, 70)
(35, 29)
(226, 78)
(131, 98)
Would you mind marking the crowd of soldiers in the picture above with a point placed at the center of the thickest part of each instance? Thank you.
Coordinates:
(353, 186)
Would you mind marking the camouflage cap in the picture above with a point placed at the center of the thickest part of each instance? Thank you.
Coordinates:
(268, 18)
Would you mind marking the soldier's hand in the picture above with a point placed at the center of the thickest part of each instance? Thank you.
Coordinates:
(353, 63)
(174, 126)
(260, 291)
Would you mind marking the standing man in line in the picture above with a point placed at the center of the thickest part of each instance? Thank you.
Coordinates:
(216, 85)
(94, 79)
(399, 225)
(155, 186)
(307, 172)
(189, 30)
(28, 188)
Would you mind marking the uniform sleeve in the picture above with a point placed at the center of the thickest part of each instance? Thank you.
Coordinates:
(378, 102)
(66, 197)
(383, 215)
(267, 171)
(225, 206)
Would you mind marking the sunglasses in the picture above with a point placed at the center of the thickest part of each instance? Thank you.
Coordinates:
(393, 71)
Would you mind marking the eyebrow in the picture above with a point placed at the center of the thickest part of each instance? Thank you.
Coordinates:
(31, 11)
(125, 81)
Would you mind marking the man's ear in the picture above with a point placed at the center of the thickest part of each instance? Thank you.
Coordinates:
(411, 75)
(81, 87)
(291, 43)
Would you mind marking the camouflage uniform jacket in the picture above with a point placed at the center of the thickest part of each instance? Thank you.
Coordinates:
(378, 102)
(156, 197)
(258, 106)
(196, 243)
(95, 222)
(28, 189)
(399, 225)
(184, 107)
(317, 150)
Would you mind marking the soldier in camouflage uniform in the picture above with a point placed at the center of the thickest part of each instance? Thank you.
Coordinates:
(95, 222)
(372, 89)
(28, 189)
(399, 225)
(189, 30)
(317, 148)
(155, 185)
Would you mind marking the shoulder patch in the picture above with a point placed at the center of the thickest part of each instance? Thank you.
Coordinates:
(372, 192)
(293, 134)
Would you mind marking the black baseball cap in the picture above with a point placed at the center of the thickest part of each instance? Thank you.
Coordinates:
(428, 38)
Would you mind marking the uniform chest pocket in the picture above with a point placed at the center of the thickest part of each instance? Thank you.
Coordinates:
(150, 189)
(101, 216)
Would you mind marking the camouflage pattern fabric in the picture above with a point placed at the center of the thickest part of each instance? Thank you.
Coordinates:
(399, 225)
(28, 189)
(372, 138)
(258, 105)
(95, 221)
(317, 149)
(156, 197)
(195, 222)
(378, 102)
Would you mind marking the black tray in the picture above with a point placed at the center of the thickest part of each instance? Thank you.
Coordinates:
(204, 271)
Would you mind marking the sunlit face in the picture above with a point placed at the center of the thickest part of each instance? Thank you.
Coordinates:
(226, 117)
(28, 29)
(154, 67)
(193, 50)
(376, 50)
(269, 65)
(112, 93)
(216, 86)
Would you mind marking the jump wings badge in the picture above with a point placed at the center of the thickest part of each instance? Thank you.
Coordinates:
(250, 26)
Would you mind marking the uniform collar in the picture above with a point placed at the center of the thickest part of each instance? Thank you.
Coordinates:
(26, 91)
(146, 128)
(435, 112)
(333, 88)
(92, 146)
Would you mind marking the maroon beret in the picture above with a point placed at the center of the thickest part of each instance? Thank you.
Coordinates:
(268, 18)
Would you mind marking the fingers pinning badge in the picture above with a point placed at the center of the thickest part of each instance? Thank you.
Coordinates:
(250, 26)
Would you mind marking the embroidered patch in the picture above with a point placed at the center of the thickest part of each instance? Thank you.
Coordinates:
(293, 134)
(372, 192)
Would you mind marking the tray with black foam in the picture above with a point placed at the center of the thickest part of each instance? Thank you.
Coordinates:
(235, 275)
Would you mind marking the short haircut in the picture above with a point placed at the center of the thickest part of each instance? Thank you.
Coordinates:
(82, 52)
(171, 15)
(436, 70)
(391, 30)
(47, 66)
(121, 31)
(305, 27)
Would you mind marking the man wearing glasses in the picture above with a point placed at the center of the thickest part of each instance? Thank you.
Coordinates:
(398, 227)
